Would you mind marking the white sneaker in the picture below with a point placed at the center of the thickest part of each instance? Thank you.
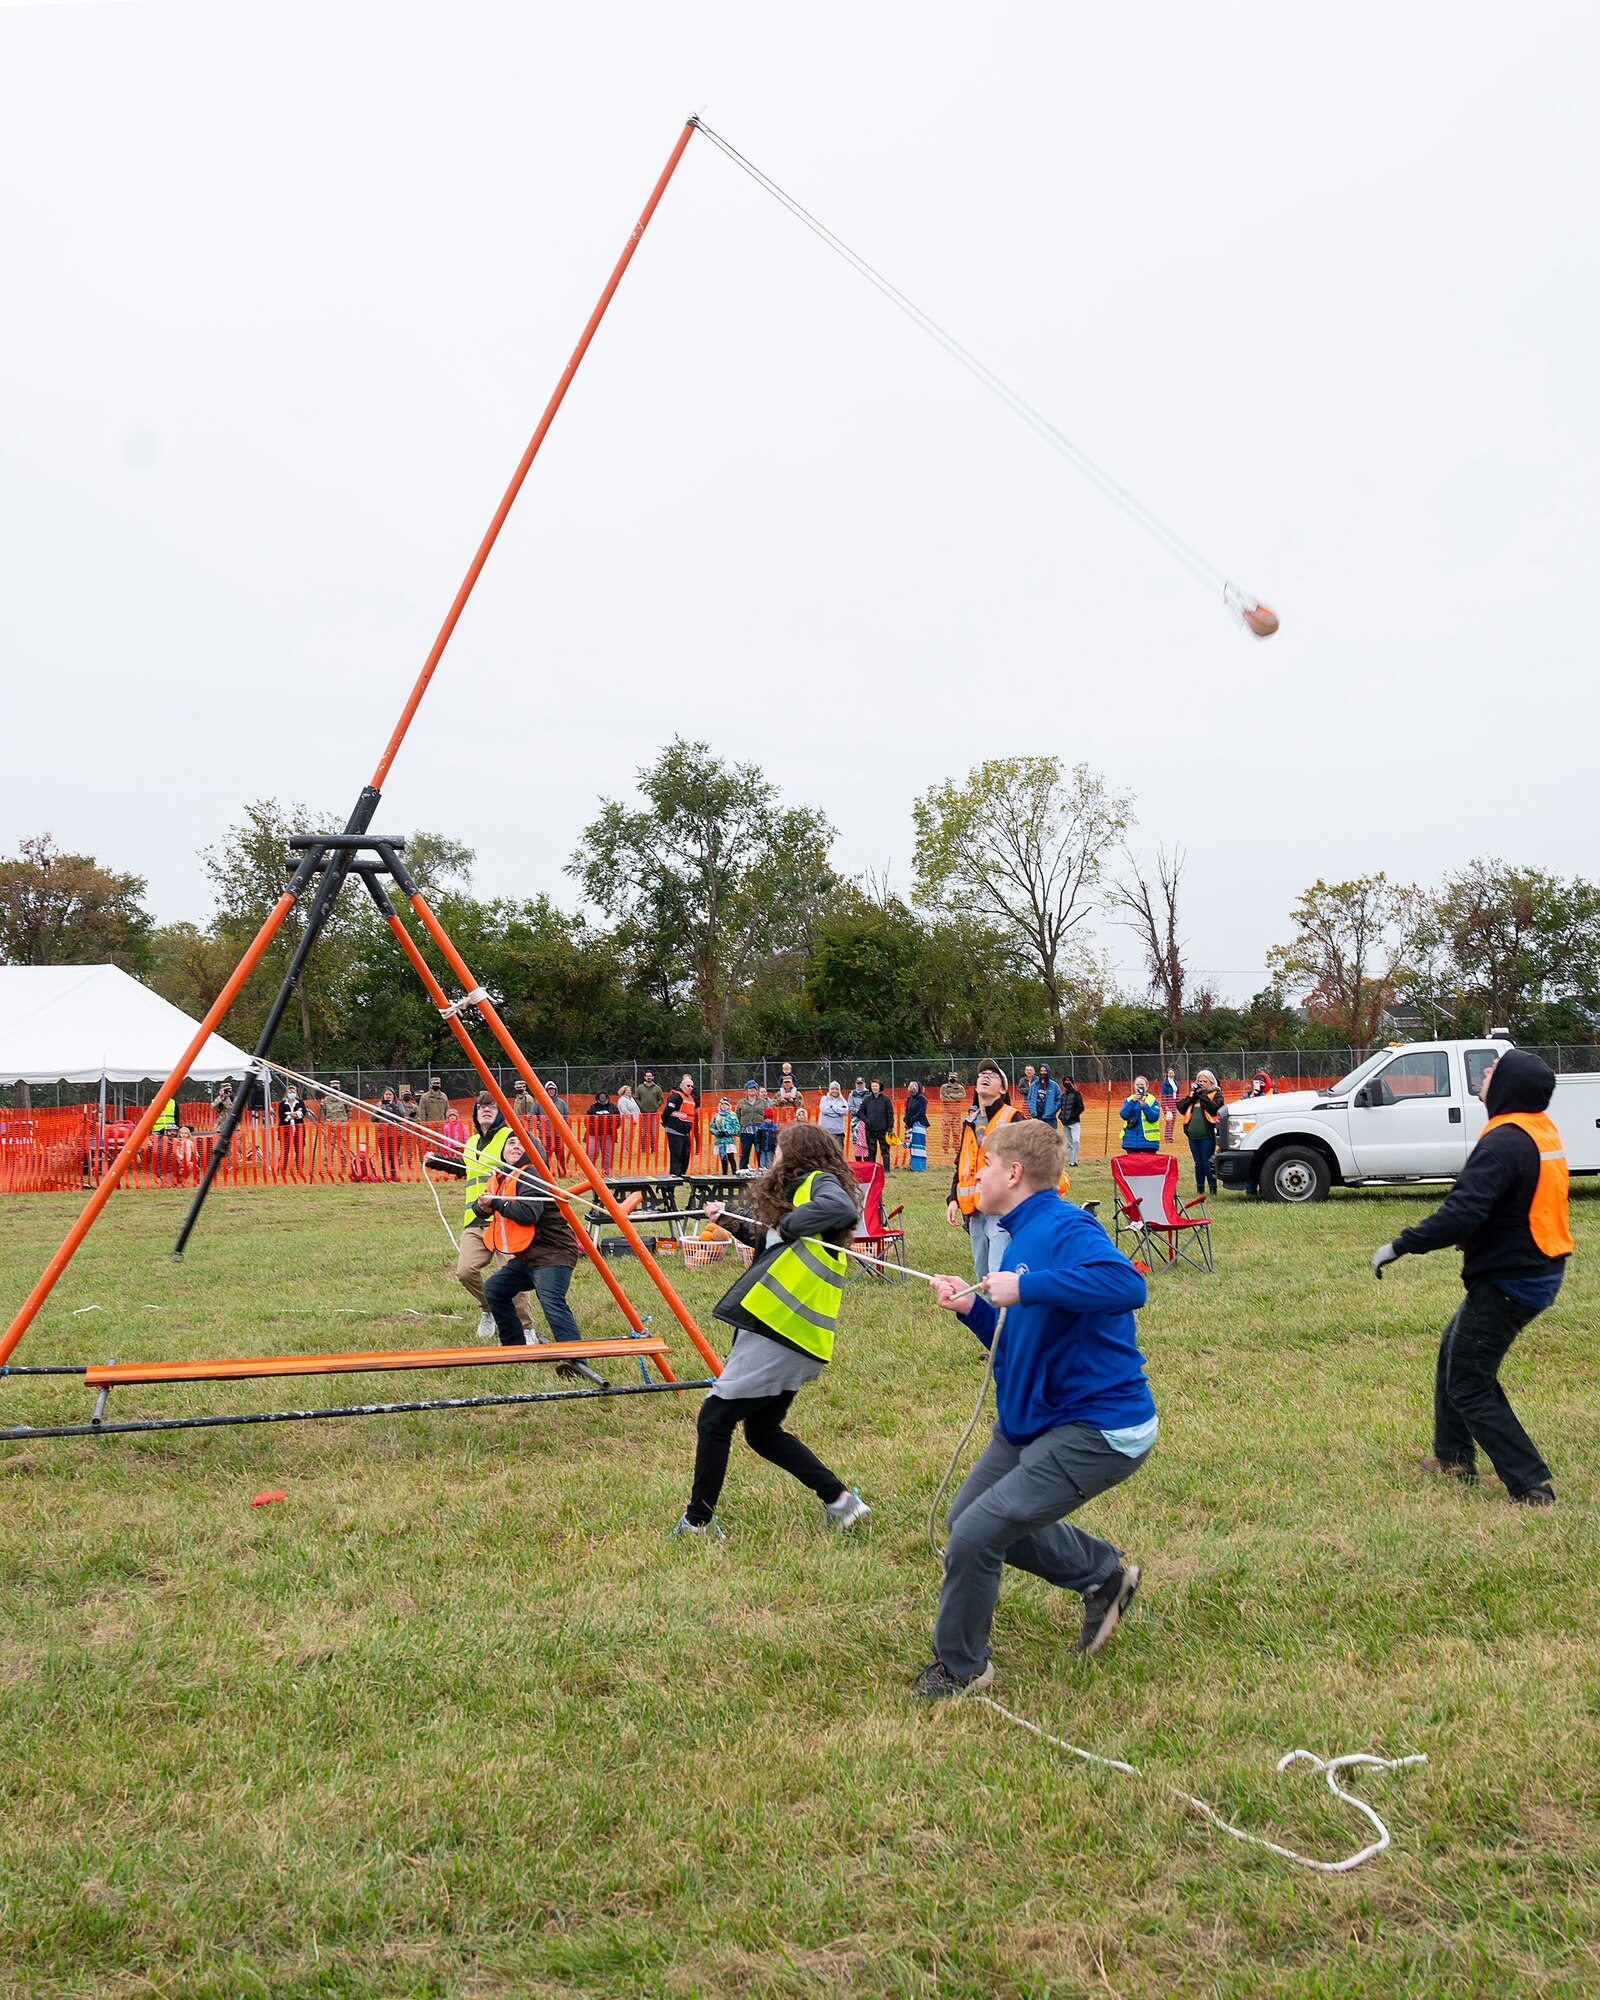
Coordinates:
(487, 1330)
(846, 1510)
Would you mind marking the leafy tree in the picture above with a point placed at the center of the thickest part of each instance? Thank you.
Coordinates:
(1498, 946)
(707, 879)
(1345, 955)
(65, 909)
(246, 871)
(1021, 843)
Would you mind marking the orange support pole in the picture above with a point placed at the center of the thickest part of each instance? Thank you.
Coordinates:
(391, 749)
(591, 1249)
(564, 1131)
(136, 1138)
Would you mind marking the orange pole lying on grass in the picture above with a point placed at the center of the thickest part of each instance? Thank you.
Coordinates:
(391, 749)
(564, 1131)
(136, 1138)
(255, 1368)
(436, 994)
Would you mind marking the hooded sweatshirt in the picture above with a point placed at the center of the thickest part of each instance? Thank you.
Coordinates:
(1486, 1212)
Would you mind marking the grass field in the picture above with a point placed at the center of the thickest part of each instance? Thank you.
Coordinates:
(457, 1718)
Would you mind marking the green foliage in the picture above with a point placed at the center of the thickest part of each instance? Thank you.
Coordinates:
(1497, 946)
(1346, 955)
(708, 879)
(1022, 844)
(65, 909)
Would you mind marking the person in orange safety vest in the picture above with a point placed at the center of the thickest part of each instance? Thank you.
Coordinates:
(993, 1107)
(1508, 1212)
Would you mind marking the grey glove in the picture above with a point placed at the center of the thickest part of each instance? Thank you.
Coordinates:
(1387, 1255)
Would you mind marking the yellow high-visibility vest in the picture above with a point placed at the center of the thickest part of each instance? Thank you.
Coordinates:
(481, 1158)
(799, 1294)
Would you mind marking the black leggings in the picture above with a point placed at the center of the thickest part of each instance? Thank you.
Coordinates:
(762, 1417)
(878, 1148)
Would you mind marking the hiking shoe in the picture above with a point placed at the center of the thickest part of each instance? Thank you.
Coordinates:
(937, 1683)
(846, 1510)
(486, 1328)
(1104, 1606)
(1536, 1496)
(708, 1528)
(1449, 1468)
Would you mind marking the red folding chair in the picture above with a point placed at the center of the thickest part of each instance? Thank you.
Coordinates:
(1148, 1210)
(877, 1237)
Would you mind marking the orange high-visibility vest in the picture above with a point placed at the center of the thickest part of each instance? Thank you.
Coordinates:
(1548, 1219)
(501, 1233)
(970, 1157)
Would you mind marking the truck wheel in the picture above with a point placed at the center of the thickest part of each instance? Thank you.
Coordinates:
(1295, 1173)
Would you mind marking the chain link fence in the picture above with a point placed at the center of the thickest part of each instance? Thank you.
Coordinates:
(1290, 1068)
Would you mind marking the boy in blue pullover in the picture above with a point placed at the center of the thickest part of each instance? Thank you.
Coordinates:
(1074, 1413)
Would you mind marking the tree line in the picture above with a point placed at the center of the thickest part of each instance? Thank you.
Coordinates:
(714, 926)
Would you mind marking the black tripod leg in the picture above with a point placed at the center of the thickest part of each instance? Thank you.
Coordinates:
(338, 866)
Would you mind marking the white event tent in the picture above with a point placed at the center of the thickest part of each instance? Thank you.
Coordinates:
(97, 1024)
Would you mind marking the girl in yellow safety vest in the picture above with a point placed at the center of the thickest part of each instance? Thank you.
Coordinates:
(784, 1310)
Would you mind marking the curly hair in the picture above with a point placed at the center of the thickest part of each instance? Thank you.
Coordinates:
(803, 1149)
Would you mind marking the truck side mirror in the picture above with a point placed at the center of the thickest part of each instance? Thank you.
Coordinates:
(1363, 1099)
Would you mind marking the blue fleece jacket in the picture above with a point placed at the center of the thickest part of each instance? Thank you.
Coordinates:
(1069, 1353)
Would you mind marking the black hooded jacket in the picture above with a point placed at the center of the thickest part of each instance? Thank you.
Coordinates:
(1486, 1212)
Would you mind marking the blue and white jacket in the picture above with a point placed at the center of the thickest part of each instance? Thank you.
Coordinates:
(1070, 1351)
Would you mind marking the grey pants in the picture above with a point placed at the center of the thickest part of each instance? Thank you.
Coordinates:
(987, 1237)
(1009, 1510)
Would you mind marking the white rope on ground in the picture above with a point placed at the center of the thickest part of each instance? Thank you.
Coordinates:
(1330, 1766)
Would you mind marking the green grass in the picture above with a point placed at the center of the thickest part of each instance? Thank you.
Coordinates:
(456, 1718)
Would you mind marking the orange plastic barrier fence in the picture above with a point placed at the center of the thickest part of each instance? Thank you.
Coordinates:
(58, 1150)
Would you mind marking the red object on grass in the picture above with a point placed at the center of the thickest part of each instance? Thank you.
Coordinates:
(266, 1499)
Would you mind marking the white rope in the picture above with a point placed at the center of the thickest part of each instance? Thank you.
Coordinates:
(434, 1191)
(436, 1140)
(1329, 1766)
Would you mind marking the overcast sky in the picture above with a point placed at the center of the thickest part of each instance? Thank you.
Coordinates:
(285, 291)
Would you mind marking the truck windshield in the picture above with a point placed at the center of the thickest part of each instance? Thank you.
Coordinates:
(1361, 1069)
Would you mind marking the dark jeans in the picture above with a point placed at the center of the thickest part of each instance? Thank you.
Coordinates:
(549, 1284)
(762, 1417)
(1205, 1168)
(749, 1146)
(1469, 1406)
(677, 1152)
(878, 1148)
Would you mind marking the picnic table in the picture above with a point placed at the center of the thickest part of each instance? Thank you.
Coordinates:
(659, 1200)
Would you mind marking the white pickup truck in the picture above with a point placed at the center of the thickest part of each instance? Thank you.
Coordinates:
(1408, 1113)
